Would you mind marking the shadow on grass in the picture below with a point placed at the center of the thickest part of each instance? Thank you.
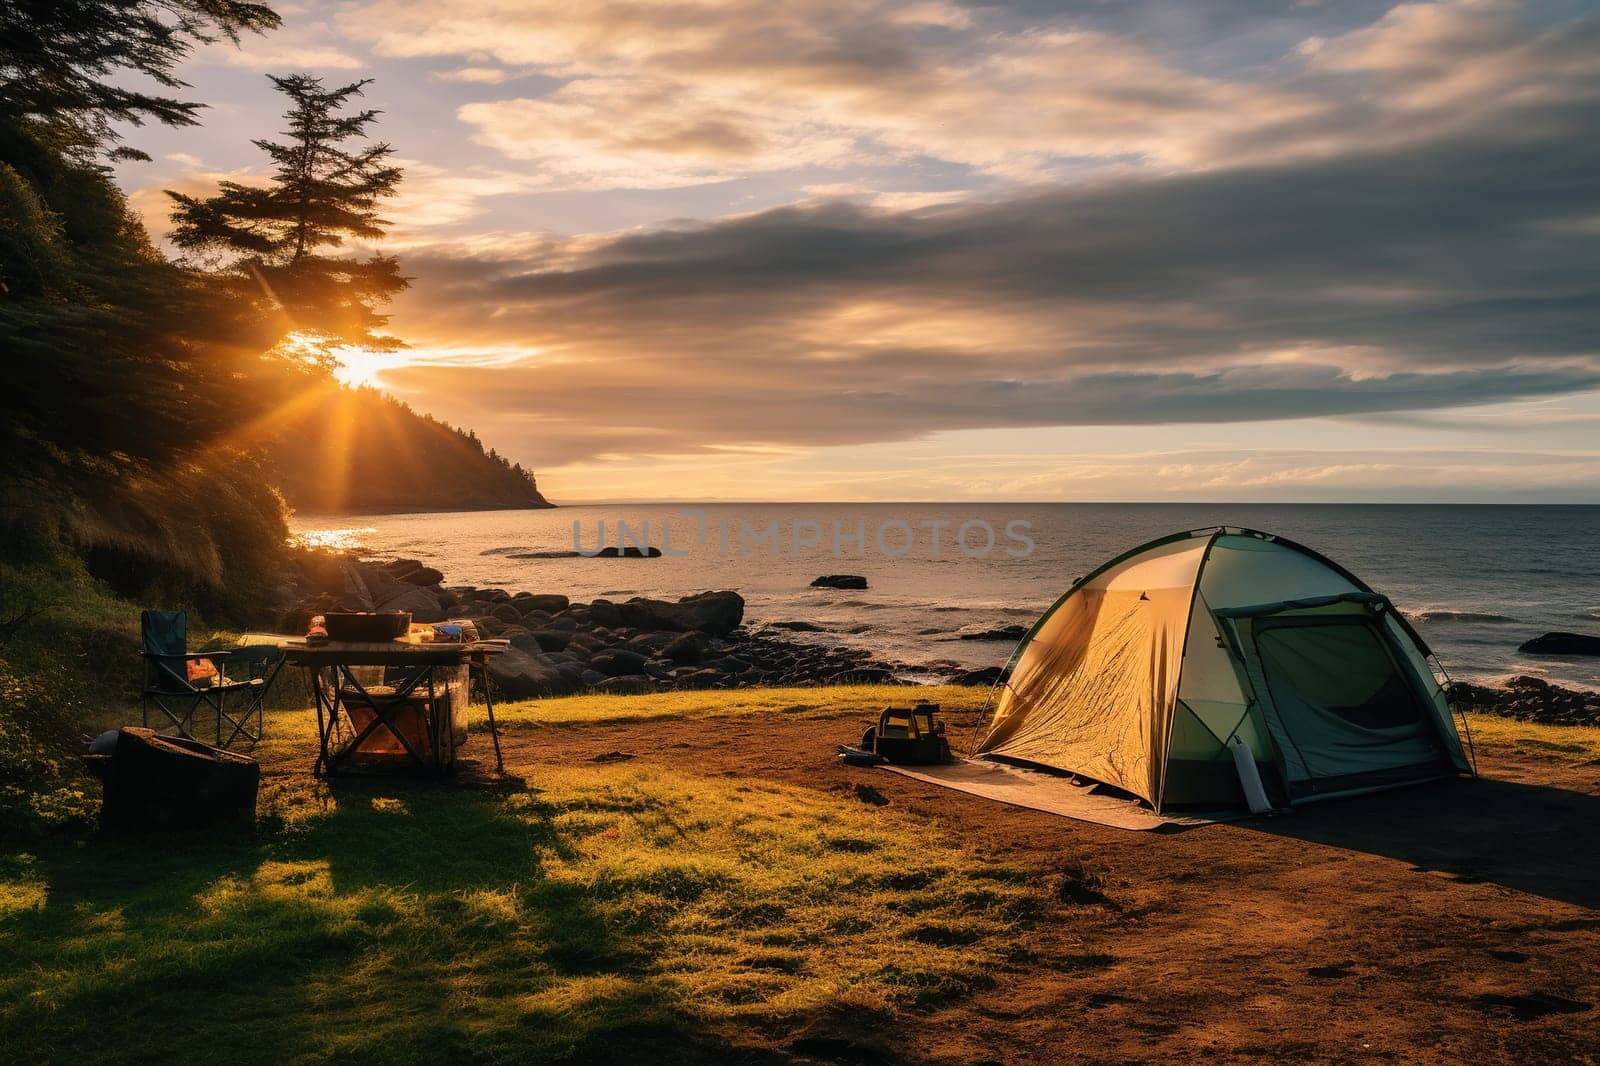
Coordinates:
(406, 923)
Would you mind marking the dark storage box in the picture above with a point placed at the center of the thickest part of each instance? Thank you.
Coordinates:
(155, 782)
(364, 627)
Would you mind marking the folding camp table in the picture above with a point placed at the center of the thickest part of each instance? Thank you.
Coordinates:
(416, 686)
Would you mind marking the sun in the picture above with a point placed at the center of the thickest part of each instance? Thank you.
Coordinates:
(359, 366)
(352, 366)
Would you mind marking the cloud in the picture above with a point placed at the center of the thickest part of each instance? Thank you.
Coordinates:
(637, 133)
(431, 196)
(1168, 213)
(679, 94)
(1299, 289)
(301, 44)
(475, 75)
(697, 91)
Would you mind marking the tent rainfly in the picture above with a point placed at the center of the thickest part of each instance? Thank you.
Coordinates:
(1152, 671)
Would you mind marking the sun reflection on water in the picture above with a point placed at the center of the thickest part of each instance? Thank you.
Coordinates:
(349, 539)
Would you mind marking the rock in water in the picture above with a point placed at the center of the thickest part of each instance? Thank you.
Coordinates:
(1011, 633)
(840, 581)
(1563, 644)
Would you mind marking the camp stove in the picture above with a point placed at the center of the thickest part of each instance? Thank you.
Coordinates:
(909, 737)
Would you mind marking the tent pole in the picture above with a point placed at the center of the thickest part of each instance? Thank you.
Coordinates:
(1472, 751)
(972, 738)
(1183, 655)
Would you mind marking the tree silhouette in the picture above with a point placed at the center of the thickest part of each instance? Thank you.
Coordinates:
(326, 188)
(60, 61)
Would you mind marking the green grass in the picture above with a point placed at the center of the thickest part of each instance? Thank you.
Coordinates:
(609, 907)
(826, 702)
(610, 913)
(1493, 735)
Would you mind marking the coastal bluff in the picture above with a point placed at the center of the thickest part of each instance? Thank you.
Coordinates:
(361, 451)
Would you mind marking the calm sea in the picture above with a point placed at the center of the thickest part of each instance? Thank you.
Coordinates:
(1476, 580)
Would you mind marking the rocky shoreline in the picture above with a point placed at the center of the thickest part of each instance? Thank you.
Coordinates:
(560, 647)
(1530, 699)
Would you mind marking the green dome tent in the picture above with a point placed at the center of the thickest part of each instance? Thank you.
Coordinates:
(1151, 670)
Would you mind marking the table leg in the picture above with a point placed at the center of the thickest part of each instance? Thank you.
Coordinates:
(494, 730)
(319, 767)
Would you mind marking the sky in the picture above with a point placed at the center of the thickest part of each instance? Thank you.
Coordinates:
(851, 250)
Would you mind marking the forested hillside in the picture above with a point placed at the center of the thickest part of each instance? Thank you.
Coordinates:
(362, 450)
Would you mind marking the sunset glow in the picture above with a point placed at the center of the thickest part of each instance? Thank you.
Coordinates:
(950, 251)
(827, 531)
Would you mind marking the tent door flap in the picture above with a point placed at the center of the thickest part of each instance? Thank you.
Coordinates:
(1340, 707)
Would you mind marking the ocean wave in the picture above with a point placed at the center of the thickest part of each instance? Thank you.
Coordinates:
(1461, 616)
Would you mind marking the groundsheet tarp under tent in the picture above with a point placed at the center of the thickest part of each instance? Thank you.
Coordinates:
(1057, 793)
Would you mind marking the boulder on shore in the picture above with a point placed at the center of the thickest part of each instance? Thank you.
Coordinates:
(617, 662)
(626, 685)
(1562, 644)
(685, 649)
(709, 612)
(840, 581)
(649, 551)
(548, 602)
(551, 639)
(422, 575)
(523, 673)
(864, 675)
(423, 605)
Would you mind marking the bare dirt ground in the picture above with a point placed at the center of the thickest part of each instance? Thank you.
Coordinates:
(1451, 922)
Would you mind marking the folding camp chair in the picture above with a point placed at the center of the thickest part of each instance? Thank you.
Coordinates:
(255, 666)
(179, 682)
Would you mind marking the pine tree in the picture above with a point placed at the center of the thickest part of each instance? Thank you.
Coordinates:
(61, 61)
(326, 188)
